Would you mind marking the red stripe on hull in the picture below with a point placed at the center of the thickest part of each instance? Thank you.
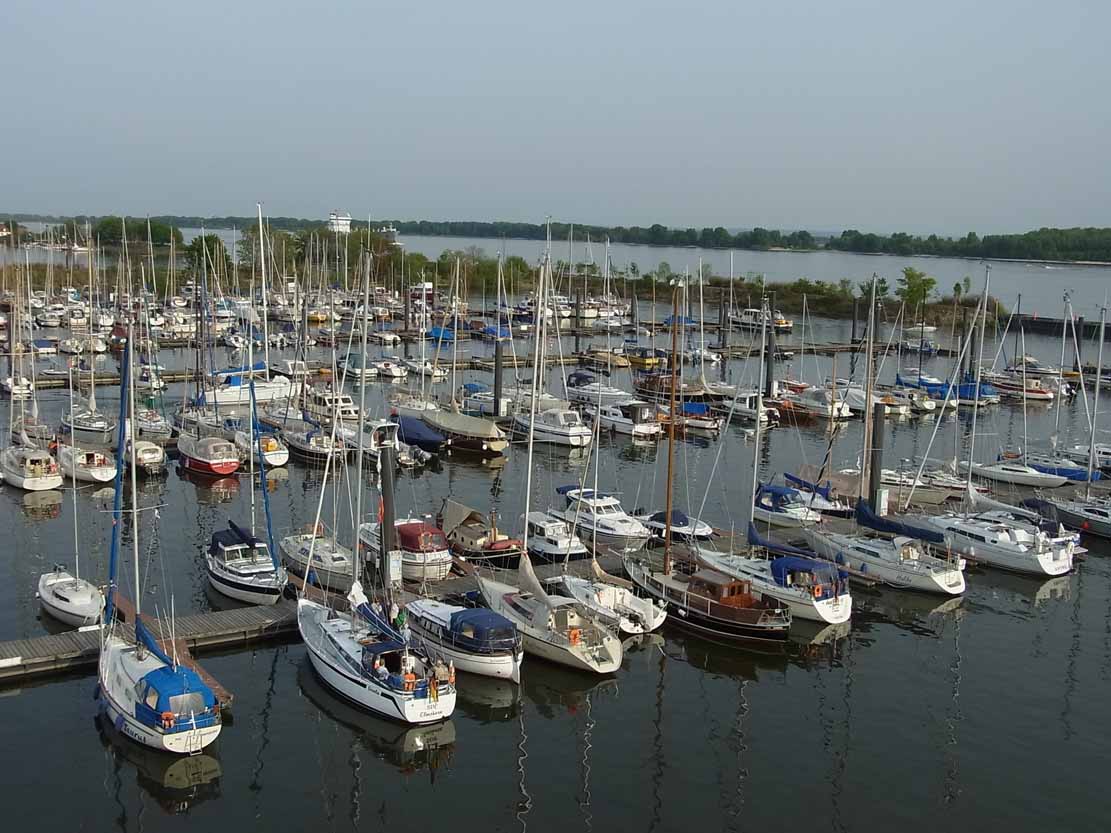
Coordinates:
(219, 468)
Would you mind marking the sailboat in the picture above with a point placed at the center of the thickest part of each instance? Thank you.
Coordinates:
(362, 655)
(708, 602)
(903, 562)
(66, 596)
(145, 693)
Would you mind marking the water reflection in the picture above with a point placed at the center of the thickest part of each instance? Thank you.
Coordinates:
(409, 749)
(918, 613)
(487, 699)
(211, 491)
(41, 506)
(556, 690)
(176, 782)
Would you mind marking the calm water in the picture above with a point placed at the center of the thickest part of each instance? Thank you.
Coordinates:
(1041, 286)
(925, 712)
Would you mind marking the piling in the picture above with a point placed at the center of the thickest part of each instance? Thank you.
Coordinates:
(1078, 362)
(578, 321)
(875, 472)
(385, 539)
(856, 315)
(723, 319)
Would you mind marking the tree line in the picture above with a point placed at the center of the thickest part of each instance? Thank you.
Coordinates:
(1065, 244)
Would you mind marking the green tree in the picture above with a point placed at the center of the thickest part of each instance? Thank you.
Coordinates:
(663, 271)
(218, 257)
(915, 287)
(967, 284)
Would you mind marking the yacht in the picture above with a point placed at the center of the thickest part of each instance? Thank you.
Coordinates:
(556, 426)
(585, 388)
(69, 599)
(1018, 473)
(612, 600)
(550, 539)
(207, 455)
(713, 604)
(633, 417)
(241, 567)
(86, 465)
(425, 552)
(1004, 545)
(598, 518)
(782, 506)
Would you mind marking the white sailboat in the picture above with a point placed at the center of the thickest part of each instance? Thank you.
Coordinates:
(145, 693)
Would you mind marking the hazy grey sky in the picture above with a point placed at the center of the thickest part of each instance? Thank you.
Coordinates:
(945, 116)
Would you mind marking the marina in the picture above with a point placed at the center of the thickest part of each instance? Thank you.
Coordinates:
(212, 636)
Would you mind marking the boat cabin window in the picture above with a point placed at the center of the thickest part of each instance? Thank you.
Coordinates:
(190, 702)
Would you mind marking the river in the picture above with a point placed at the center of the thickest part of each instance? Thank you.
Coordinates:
(923, 714)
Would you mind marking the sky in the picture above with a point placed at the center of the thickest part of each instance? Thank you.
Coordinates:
(926, 117)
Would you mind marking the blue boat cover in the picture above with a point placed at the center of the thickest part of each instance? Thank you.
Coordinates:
(171, 682)
(383, 647)
(413, 431)
(677, 518)
(821, 570)
(441, 334)
(695, 408)
(866, 517)
(487, 625)
(584, 493)
(822, 490)
(475, 387)
(757, 540)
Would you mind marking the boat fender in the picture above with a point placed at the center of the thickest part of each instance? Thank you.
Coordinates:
(451, 673)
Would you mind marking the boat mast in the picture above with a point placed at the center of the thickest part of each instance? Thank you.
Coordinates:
(869, 359)
(251, 406)
(262, 270)
(359, 427)
(545, 267)
(671, 424)
(976, 378)
(1061, 374)
(1095, 404)
(760, 399)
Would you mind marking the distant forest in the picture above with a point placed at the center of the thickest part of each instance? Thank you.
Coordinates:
(1073, 244)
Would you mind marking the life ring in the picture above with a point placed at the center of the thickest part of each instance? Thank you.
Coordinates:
(167, 720)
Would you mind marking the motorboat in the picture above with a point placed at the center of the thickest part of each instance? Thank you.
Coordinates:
(557, 427)
(425, 552)
(266, 448)
(467, 433)
(425, 367)
(86, 465)
(1089, 515)
(683, 527)
(597, 518)
(328, 563)
(1081, 453)
(712, 603)
(241, 567)
(633, 417)
(475, 640)
(325, 404)
(150, 458)
(856, 397)
(1055, 464)
(585, 388)
(555, 628)
(213, 456)
(691, 415)
(1014, 387)
(782, 506)
(814, 403)
(476, 538)
(69, 599)
(916, 401)
(901, 562)
(551, 539)
(311, 442)
(390, 368)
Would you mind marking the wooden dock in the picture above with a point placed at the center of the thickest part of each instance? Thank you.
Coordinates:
(78, 650)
